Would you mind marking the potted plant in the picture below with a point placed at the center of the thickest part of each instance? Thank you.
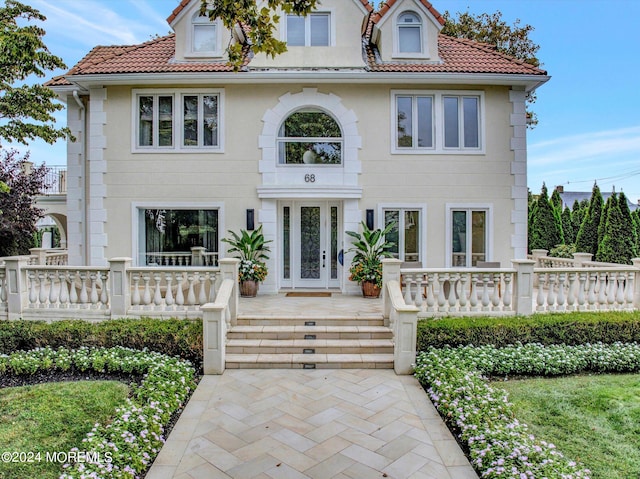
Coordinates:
(251, 249)
(366, 267)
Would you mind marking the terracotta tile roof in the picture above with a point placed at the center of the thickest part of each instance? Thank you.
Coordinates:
(389, 3)
(458, 55)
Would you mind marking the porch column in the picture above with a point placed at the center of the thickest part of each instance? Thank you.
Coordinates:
(636, 284)
(390, 271)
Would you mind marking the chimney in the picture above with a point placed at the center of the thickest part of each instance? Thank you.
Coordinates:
(560, 189)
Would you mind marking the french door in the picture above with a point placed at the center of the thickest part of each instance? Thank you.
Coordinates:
(310, 239)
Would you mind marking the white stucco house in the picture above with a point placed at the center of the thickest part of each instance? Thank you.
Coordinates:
(369, 116)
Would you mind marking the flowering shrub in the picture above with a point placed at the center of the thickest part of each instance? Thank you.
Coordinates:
(499, 445)
(366, 271)
(135, 435)
(250, 270)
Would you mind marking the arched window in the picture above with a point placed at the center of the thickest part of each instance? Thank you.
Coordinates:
(310, 137)
(204, 35)
(409, 33)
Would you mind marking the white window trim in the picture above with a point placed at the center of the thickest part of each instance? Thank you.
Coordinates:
(196, 19)
(422, 208)
(450, 207)
(424, 54)
(135, 221)
(307, 29)
(177, 94)
(438, 123)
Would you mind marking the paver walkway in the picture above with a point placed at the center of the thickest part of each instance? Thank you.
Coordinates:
(342, 423)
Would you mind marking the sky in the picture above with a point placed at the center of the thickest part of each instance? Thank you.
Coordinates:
(589, 112)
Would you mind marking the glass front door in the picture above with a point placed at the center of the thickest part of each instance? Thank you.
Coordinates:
(310, 237)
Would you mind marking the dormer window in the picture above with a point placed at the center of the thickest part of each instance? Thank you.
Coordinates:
(204, 36)
(310, 31)
(409, 27)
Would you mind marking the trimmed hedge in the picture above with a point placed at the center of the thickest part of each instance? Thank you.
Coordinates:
(173, 337)
(550, 328)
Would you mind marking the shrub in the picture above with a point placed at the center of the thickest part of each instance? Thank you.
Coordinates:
(559, 328)
(173, 337)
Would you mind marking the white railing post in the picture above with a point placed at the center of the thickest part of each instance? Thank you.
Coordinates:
(120, 286)
(390, 272)
(636, 284)
(214, 332)
(197, 255)
(580, 259)
(229, 270)
(17, 291)
(38, 255)
(538, 254)
(523, 286)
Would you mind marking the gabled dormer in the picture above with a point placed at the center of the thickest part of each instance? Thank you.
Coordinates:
(197, 37)
(407, 30)
(328, 37)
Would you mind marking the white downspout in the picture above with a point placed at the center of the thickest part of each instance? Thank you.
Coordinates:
(83, 186)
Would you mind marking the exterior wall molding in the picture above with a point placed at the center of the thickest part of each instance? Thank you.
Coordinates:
(76, 203)
(97, 168)
(518, 122)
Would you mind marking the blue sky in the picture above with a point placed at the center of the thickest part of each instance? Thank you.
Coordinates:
(589, 112)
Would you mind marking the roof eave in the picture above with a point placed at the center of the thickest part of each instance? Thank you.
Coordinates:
(529, 82)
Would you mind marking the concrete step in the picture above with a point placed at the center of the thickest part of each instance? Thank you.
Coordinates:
(308, 332)
(311, 320)
(310, 346)
(309, 361)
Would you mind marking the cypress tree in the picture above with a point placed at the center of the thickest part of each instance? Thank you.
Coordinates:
(629, 227)
(567, 226)
(545, 229)
(635, 215)
(618, 243)
(587, 238)
(556, 200)
(578, 211)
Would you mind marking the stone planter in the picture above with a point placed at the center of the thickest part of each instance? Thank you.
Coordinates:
(248, 288)
(370, 289)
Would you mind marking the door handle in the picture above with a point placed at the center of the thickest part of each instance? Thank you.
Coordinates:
(324, 259)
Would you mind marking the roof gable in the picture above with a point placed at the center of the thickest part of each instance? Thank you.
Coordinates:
(388, 5)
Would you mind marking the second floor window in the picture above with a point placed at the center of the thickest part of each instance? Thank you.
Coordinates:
(310, 137)
(200, 120)
(310, 31)
(155, 121)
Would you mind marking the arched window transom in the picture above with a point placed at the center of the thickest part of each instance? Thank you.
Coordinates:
(310, 137)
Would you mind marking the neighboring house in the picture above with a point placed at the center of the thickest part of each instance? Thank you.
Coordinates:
(569, 197)
(368, 116)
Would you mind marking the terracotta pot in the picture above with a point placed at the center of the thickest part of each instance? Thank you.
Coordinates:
(248, 289)
(370, 289)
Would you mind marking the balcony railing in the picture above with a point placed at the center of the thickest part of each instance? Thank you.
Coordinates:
(55, 181)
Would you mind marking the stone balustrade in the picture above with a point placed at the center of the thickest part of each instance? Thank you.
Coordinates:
(46, 292)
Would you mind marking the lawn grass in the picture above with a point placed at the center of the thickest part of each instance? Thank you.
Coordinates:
(593, 419)
(52, 417)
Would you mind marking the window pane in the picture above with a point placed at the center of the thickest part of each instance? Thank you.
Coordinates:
(411, 235)
(204, 38)
(210, 126)
(334, 242)
(145, 121)
(471, 127)
(459, 239)
(425, 122)
(478, 237)
(309, 153)
(310, 124)
(165, 133)
(404, 119)
(451, 135)
(393, 216)
(286, 242)
(295, 31)
(319, 24)
(169, 235)
(409, 39)
(190, 120)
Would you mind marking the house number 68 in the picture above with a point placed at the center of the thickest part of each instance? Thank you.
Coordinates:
(309, 178)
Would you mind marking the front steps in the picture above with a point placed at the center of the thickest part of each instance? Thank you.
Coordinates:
(330, 342)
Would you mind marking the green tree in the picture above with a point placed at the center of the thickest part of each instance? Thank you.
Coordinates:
(635, 215)
(260, 22)
(545, 229)
(618, 243)
(25, 110)
(587, 238)
(513, 40)
(578, 211)
(567, 226)
(19, 214)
